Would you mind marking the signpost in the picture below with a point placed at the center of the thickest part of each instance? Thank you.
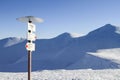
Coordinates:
(31, 37)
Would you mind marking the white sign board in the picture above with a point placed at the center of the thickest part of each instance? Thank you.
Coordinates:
(30, 46)
(31, 27)
(31, 36)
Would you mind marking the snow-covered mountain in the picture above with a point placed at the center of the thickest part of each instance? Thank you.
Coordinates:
(64, 51)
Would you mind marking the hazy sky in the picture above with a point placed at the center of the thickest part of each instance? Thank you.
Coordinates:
(73, 16)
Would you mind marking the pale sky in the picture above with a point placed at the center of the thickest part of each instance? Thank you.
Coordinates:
(73, 16)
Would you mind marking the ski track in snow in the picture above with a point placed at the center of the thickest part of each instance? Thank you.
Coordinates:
(109, 74)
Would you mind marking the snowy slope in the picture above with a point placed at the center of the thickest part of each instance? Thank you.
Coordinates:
(11, 49)
(91, 61)
(63, 51)
(111, 74)
(111, 54)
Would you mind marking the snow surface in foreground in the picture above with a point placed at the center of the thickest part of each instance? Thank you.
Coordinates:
(110, 74)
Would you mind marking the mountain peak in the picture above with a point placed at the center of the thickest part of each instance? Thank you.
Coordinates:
(107, 29)
(64, 35)
(108, 25)
(68, 35)
(12, 41)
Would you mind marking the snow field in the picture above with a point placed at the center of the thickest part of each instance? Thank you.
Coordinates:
(109, 74)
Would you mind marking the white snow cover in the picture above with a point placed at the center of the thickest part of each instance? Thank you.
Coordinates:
(75, 35)
(111, 54)
(95, 56)
(117, 30)
(13, 40)
(111, 74)
(64, 52)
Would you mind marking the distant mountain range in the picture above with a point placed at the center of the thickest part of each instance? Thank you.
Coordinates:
(63, 51)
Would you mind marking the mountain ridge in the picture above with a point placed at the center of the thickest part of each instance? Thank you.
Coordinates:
(62, 52)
